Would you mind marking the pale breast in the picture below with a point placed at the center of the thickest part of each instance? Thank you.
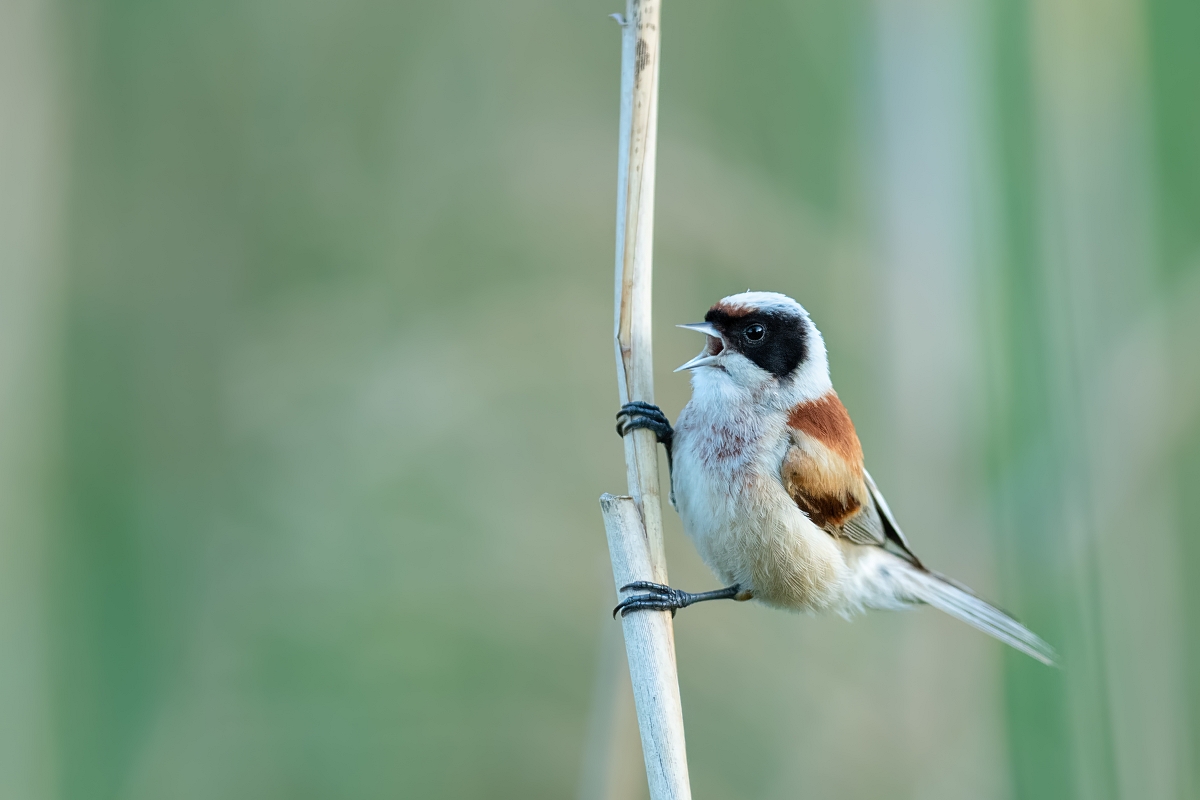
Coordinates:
(734, 508)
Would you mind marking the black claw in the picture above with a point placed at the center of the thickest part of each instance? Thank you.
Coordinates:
(661, 597)
(640, 414)
(645, 604)
(649, 585)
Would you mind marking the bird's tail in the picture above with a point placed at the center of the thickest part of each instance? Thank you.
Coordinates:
(942, 594)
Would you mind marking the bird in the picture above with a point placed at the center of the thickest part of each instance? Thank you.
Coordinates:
(767, 476)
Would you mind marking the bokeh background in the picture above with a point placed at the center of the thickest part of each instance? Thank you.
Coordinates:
(307, 391)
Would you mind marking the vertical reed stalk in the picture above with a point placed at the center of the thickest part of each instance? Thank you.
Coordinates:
(634, 524)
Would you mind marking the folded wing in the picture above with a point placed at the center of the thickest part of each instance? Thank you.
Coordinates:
(823, 473)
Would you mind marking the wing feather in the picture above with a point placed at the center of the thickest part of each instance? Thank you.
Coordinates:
(843, 506)
(891, 529)
(865, 527)
(823, 473)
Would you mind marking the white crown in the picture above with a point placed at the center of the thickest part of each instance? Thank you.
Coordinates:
(764, 301)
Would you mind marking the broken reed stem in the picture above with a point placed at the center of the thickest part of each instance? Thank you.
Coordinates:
(650, 648)
(634, 524)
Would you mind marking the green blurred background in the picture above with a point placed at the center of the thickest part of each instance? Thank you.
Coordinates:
(307, 392)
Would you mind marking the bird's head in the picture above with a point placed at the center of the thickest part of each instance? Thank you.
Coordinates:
(761, 341)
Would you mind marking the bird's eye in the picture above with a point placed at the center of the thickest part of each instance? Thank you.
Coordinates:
(754, 333)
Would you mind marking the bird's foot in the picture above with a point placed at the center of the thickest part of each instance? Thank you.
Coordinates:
(660, 597)
(639, 414)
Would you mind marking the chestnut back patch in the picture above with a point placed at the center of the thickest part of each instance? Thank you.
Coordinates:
(826, 511)
(827, 421)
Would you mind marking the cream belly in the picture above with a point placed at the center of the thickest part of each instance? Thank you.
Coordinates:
(727, 489)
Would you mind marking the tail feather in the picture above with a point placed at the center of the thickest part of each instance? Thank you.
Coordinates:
(931, 588)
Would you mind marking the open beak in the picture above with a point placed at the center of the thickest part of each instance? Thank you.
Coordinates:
(712, 349)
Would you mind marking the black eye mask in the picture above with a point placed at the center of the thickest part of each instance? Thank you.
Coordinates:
(783, 347)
